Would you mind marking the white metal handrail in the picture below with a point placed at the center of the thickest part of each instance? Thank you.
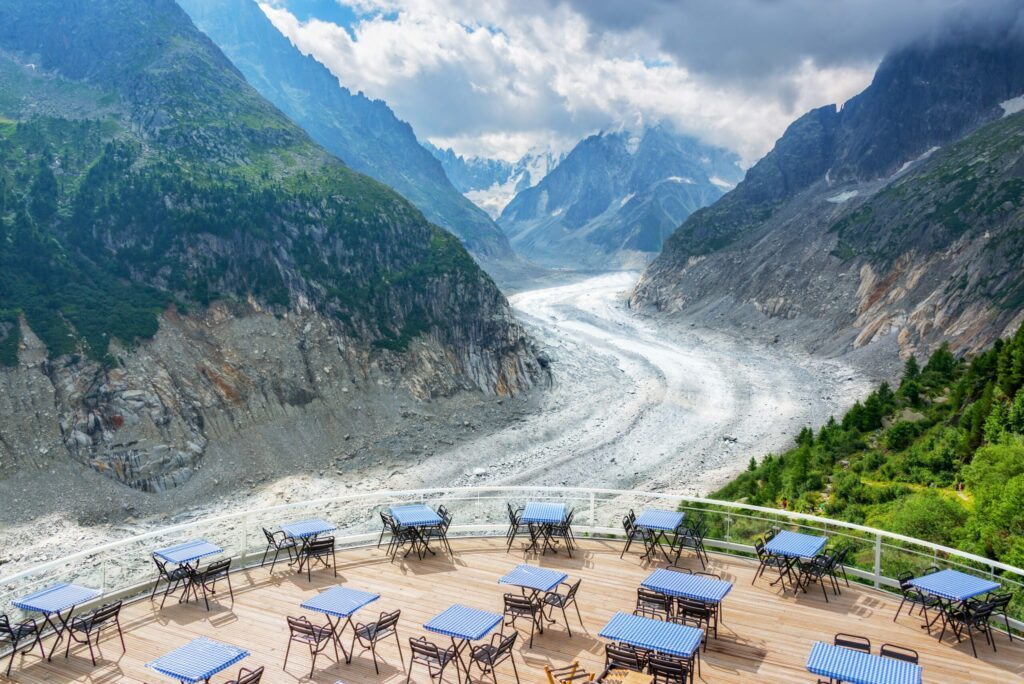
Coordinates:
(119, 564)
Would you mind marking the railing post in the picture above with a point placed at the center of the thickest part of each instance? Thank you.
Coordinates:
(103, 576)
(245, 539)
(593, 511)
(878, 561)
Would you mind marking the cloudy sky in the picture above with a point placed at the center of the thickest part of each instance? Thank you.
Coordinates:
(497, 77)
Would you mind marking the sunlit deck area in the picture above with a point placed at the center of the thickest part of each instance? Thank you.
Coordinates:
(765, 635)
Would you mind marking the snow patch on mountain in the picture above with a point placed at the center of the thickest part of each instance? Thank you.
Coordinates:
(1013, 105)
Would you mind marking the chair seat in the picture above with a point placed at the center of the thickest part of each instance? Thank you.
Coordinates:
(486, 653)
(557, 600)
(18, 632)
(367, 631)
(318, 635)
(178, 574)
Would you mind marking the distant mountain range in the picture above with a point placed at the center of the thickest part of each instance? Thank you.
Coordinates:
(363, 133)
(615, 198)
(492, 183)
(898, 217)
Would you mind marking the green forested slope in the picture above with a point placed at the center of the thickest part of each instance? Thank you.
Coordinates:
(939, 458)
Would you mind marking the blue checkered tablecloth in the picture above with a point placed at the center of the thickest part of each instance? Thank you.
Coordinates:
(462, 622)
(857, 667)
(685, 585)
(340, 601)
(197, 660)
(189, 551)
(532, 577)
(415, 515)
(654, 635)
(665, 521)
(545, 513)
(301, 529)
(56, 598)
(795, 545)
(954, 585)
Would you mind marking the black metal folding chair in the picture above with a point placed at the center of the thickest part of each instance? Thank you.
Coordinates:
(562, 600)
(206, 580)
(16, 633)
(517, 606)
(315, 637)
(487, 657)
(319, 550)
(278, 542)
(370, 634)
(178, 577)
(431, 655)
(82, 628)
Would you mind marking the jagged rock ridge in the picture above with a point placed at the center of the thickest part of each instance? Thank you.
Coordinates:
(897, 216)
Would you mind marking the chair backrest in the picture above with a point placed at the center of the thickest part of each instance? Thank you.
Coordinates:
(320, 545)
(693, 608)
(981, 612)
(622, 656)
(5, 624)
(627, 524)
(270, 536)
(770, 534)
(930, 570)
(386, 623)
(712, 575)
(506, 644)
(424, 650)
(857, 643)
(759, 548)
(161, 567)
(570, 674)
(1000, 602)
(840, 555)
(301, 626)
(650, 597)
(248, 676)
(442, 511)
(217, 569)
(386, 519)
(573, 588)
(904, 579)
(105, 613)
(520, 605)
(668, 670)
(899, 653)
(632, 515)
(678, 568)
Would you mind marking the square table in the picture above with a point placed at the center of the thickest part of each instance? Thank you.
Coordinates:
(304, 529)
(659, 523)
(655, 635)
(533, 578)
(416, 517)
(337, 603)
(188, 552)
(952, 587)
(198, 660)
(695, 587)
(857, 667)
(795, 545)
(463, 625)
(54, 600)
(541, 518)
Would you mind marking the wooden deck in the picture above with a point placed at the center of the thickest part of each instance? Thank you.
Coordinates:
(765, 636)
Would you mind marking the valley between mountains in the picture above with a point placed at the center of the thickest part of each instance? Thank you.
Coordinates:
(633, 402)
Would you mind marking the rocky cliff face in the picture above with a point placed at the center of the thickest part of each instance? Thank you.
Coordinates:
(180, 265)
(364, 133)
(896, 217)
(614, 199)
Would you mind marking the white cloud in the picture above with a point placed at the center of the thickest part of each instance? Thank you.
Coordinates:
(499, 77)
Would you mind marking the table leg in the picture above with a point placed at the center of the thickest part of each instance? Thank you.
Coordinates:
(59, 631)
(336, 632)
(459, 647)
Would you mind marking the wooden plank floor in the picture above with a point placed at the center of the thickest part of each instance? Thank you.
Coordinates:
(765, 636)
